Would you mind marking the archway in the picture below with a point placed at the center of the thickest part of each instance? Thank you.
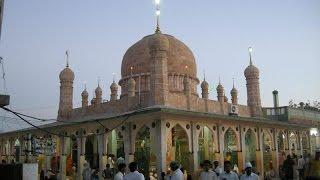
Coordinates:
(267, 148)
(305, 143)
(230, 147)
(282, 142)
(144, 153)
(250, 147)
(293, 144)
(91, 151)
(206, 145)
(72, 155)
(116, 144)
(17, 148)
(178, 146)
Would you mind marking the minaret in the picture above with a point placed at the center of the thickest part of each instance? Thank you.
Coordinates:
(220, 92)
(158, 47)
(114, 91)
(98, 93)
(253, 90)
(234, 95)
(205, 88)
(131, 86)
(84, 96)
(66, 91)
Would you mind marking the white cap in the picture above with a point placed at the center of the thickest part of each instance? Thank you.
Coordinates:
(248, 165)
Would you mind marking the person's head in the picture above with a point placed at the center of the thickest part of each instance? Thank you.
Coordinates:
(174, 165)
(206, 165)
(122, 167)
(216, 164)
(248, 168)
(107, 166)
(288, 157)
(300, 156)
(227, 166)
(133, 166)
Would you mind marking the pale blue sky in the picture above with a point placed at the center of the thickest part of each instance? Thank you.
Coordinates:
(285, 36)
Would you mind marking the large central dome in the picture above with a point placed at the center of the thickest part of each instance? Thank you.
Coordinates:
(179, 57)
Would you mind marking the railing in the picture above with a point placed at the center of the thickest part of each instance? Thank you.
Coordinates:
(286, 113)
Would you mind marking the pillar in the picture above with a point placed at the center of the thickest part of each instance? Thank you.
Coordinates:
(129, 145)
(29, 147)
(243, 145)
(100, 139)
(221, 142)
(81, 142)
(260, 159)
(63, 157)
(277, 152)
(195, 147)
(161, 146)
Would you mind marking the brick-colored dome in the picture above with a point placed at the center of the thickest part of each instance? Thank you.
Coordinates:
(66, 74)
(179, 56)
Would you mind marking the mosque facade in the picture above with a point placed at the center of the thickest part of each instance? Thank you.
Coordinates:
(156, 115)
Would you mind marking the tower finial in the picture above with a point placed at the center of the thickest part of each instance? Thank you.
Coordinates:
(157, 2)
(98, 81)
(85, 85)
(67, 58)
(113, 76)
(250, 55)
(204, 75)
(219, 80)
(233, 82)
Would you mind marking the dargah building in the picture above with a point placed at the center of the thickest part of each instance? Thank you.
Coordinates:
(156, 115)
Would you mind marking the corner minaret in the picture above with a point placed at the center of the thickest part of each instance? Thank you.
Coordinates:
(66, 91)
(114, 91)
(253, 90)
(98, 93)
(158, 47)
(234, 95)
(220, 92)
(85, 96)
(205, 89)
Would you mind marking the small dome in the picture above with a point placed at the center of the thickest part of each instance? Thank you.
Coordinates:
(131, 82)
(234, 90)
(219, 88)
(84, 93)
(98, 90)
(204, 84)
(251, 71)
(93, 100)
(66, 75)
(114, 86)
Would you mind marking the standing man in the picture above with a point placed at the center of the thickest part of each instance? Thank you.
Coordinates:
(301, 167)
(176, 172)
(207, 173)
(314, 169)
(249, 175)
(134, 173)
(122, 170)
(108, 172)
(288, 168)
(228, 174)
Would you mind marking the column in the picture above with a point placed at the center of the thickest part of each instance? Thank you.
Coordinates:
(161, 146)
(260, 160)
(128, 145)
(63, 156)
(241, 151)
(81, 142)
(48, 153)
(29, 147)
(277, 151)
(195, 147)
(221, 142)
(243, 145)
(100, 153)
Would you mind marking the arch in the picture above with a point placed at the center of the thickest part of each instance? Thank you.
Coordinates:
(231, 146)
(267, 145)
(72, 155)
(178, 146)
(305, 143)
(250, 146)
(282, 142)
(293, 143)
(206, 145)
(115, 145)
(143, 155)
(91, 151)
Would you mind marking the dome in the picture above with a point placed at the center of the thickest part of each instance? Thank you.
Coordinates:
(251, 71)
(98, 90)
(204, 84)
(84, 93)
(179, 56)
(219, 88)
(114, 86)
(234, 90)
(66, 74)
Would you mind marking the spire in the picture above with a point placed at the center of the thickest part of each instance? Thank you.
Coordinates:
(219, 80)
(113, 77)
(204, 75)
(233, 82)
(250, 55)
(98, 81)
(157, 2)
(67, 58)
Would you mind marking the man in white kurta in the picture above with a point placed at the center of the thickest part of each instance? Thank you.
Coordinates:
(122, 170)
(249, 175)
(207, 173)
(134, 173)
(176, 172)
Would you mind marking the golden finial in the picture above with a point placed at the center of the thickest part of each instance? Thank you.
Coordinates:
(250, 55)
(67, 58)
(157, 2)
